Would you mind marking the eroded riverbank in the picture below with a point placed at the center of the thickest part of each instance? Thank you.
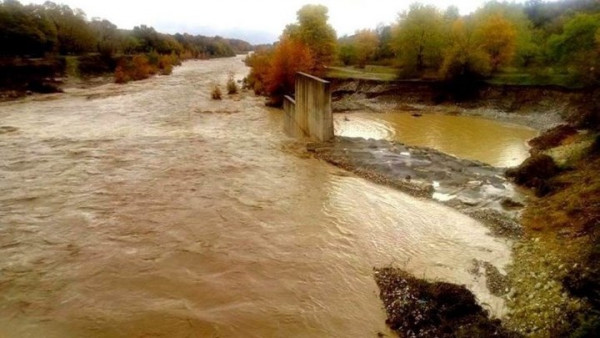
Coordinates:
(539, 107)
(148, 209)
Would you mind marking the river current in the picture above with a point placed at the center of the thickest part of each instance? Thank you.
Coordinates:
(148, 209)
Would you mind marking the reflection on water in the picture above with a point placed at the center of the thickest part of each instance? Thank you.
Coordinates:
(496, 143)
(159, 212)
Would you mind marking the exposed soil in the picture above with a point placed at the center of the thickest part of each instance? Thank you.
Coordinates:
(553, 137)
(540, 107)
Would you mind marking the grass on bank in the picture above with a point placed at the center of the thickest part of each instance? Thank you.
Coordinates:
(370, 72)
(508, 76)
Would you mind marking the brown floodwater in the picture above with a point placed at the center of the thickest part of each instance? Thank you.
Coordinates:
(147, 209)
(492, 142)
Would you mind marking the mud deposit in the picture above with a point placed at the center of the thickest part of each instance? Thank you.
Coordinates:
(150, 210)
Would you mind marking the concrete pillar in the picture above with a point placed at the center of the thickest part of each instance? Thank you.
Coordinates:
(313, 106)
(290, 124)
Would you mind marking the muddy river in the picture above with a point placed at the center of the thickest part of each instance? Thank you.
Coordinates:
(492, 142)
(147, 209)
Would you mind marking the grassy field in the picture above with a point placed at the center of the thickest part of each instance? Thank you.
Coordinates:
(508, 76)
(514, 76)
(370, 72)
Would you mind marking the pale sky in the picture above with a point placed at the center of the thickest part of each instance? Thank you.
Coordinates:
(257, 21)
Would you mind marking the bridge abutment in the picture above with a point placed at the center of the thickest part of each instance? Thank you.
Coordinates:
(309, 114)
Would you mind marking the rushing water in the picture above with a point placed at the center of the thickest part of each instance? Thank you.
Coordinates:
(149, 210)
(492, 142)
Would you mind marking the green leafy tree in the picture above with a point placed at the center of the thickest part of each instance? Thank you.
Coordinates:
(465, 60)
(25, 30)
(313, 31)
(108, 40)
(579, 35)
(526, 49)
(366, 42)
(347, 50)
(73, 32)
(418, 38)
(577, 46)
(497, 36)
(384, 50)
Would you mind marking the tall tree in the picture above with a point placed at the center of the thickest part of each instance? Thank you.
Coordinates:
(366, 41)
(497, 36)
(418, 38)
(526, 48)
(291, 56)
(464, 60)
(313, 31)
(384, 50)
(578, 46)
(578, 36)
(74, 34)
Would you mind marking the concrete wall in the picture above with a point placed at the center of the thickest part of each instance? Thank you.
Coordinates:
(290, 125)
(310, 113)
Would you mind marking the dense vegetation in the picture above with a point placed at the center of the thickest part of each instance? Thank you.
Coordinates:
(535, 42)
(308, 46)
(39, 30)
(543, 40)
(53, 31)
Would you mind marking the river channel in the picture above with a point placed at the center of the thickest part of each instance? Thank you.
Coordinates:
(496, 143)
(148, 209)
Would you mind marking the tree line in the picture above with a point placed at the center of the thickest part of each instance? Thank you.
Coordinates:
(538, 38)
(54, 29)
(534, 36)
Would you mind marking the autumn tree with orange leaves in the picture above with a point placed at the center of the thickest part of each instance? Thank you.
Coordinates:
(366, 41)
(498, 37)
(291, 56)
(306, 46)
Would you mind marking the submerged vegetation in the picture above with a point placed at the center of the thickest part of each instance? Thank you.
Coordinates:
(216, 93)
(232, 87)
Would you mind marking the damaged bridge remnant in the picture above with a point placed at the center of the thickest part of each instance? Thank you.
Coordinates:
(309, 114)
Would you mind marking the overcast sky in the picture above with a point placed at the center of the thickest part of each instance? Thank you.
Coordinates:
(256, 21)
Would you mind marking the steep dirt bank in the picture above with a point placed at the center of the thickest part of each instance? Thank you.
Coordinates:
(536, 106)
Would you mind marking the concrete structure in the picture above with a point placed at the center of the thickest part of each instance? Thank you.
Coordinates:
(310, 113)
